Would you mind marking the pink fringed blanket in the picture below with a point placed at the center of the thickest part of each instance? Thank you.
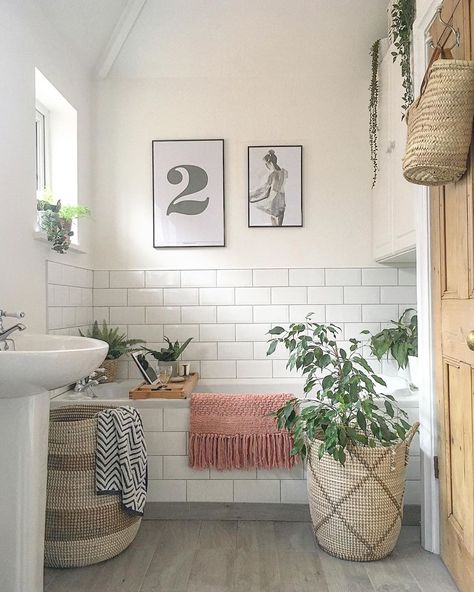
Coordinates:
(236, 432)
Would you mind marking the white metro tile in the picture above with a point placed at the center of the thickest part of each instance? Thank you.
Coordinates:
(326, 295)
(379, 276)
(234, 474)
(353, 330)
(289, 295)
(298, 312)
(55, 272)
(101, 279)
(253, 295)
(124, 315)
(252, 332)
(280, 370)
(217, 332)
(306, 277)
(412, 493)
(75, 297)
(343, 277)
(234, 314)
(210, 491)
(200, 351)
(234, 277)
(55, 317)
(166, 443)
(127, 279)
(87, 298)
(343, 313)
(260, 352)
(152, 419)
(259, 491)
(216, 296)
(181, 296)
(198, 278)
(177, 467)
(218, 369)
(276, 313)
(101, 313)
(198, 314)
(398, 294)
(407, 276)
(110, 297)
(361, 295)
(181, 332)
(294, 492)
(162, 279)
(254, 369)
(149, 333)
(176, 419)
(379, 313)
(145, 297)
(270, 277)
(155, 467)
(163, 314)
(295, 472)
(166, 490)
(235, 351)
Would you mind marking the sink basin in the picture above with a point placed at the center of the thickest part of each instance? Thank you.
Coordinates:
(50, 361)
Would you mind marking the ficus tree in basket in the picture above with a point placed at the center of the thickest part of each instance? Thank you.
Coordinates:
(344, 409)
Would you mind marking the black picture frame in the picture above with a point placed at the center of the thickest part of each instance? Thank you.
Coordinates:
(219, 183)
(275, 147)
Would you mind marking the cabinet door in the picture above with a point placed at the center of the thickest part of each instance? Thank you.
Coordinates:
(381, 205)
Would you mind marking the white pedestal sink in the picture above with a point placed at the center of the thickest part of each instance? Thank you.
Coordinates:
(40, 363)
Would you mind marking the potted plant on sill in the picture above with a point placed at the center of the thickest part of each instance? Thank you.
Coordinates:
(401, 341)
(355, 440)
(118, 343)
(56, 221)
(169, 355)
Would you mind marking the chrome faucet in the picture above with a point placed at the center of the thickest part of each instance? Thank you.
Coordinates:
(5, 333)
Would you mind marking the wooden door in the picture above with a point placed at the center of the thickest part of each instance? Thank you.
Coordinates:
(452, 234)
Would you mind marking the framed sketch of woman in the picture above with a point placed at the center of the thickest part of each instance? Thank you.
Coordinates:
(275, 186)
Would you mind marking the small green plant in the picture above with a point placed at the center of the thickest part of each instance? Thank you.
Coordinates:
(74, 212)
(403, 16)
(118, 342)
(373, 109)
(401, 340)
(345, 410)
(170, 353)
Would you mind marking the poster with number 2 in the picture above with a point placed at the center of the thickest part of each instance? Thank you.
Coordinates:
(188, 193)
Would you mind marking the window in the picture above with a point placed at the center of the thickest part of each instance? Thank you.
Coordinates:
(41, 152)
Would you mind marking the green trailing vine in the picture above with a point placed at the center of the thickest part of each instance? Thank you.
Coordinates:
(403, 16)
(373, 109)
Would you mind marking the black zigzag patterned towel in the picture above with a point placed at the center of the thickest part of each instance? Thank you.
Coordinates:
(121, 457)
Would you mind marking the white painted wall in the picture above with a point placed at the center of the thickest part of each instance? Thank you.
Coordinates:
(27, 40)
(261, 72)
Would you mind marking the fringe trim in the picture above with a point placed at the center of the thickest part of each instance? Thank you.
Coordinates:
(241, 451)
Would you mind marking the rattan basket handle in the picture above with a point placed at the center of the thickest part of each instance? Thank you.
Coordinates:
(411, 433)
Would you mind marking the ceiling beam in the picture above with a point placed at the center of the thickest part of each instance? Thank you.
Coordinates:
(119, 35)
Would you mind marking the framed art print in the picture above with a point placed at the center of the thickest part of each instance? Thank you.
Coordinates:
(188, 193)
(275, 192)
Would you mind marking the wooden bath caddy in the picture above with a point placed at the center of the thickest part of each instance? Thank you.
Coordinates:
(173, 390)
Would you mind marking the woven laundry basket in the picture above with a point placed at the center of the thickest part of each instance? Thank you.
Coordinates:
(81, 527)
(111, 369)
(440, 124)
(357, 509)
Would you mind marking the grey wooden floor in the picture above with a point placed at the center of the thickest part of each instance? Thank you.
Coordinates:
(244, 556)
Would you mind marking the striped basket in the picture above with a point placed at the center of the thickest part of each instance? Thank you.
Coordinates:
(357, 509)
(82, 527)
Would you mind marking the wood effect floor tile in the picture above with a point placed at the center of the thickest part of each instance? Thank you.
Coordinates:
(212, 571)
(252, 535)
(294, 536)
(301, 571)
(257, 571)
(218, 534)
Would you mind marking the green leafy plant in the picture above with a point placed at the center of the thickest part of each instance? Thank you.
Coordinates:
(403, 16)
(401, 340)
(170, 353)
(345, 410)
(118, 342)
(373, 109)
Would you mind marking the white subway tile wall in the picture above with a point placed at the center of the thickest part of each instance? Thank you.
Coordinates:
(228, 312)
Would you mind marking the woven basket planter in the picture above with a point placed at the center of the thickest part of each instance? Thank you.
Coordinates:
(440, 125)
(82, 527)
(111, 369)
(357, 509)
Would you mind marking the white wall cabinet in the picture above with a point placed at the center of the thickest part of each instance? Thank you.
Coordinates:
(393, 198)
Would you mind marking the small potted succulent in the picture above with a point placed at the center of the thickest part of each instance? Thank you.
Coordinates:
(119, 345)
(169, 355)
(401, 341)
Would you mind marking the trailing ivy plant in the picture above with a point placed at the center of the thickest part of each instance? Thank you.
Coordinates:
(401, 339)
(403, 16)
(344, 410)
(373, 108)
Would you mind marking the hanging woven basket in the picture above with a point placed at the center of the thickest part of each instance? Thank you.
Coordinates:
(440, 124)
(357, 509)
(81, 527)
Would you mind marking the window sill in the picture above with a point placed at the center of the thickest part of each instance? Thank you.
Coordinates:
(39, 235)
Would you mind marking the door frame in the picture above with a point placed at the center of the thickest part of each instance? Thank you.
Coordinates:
(430, 536)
